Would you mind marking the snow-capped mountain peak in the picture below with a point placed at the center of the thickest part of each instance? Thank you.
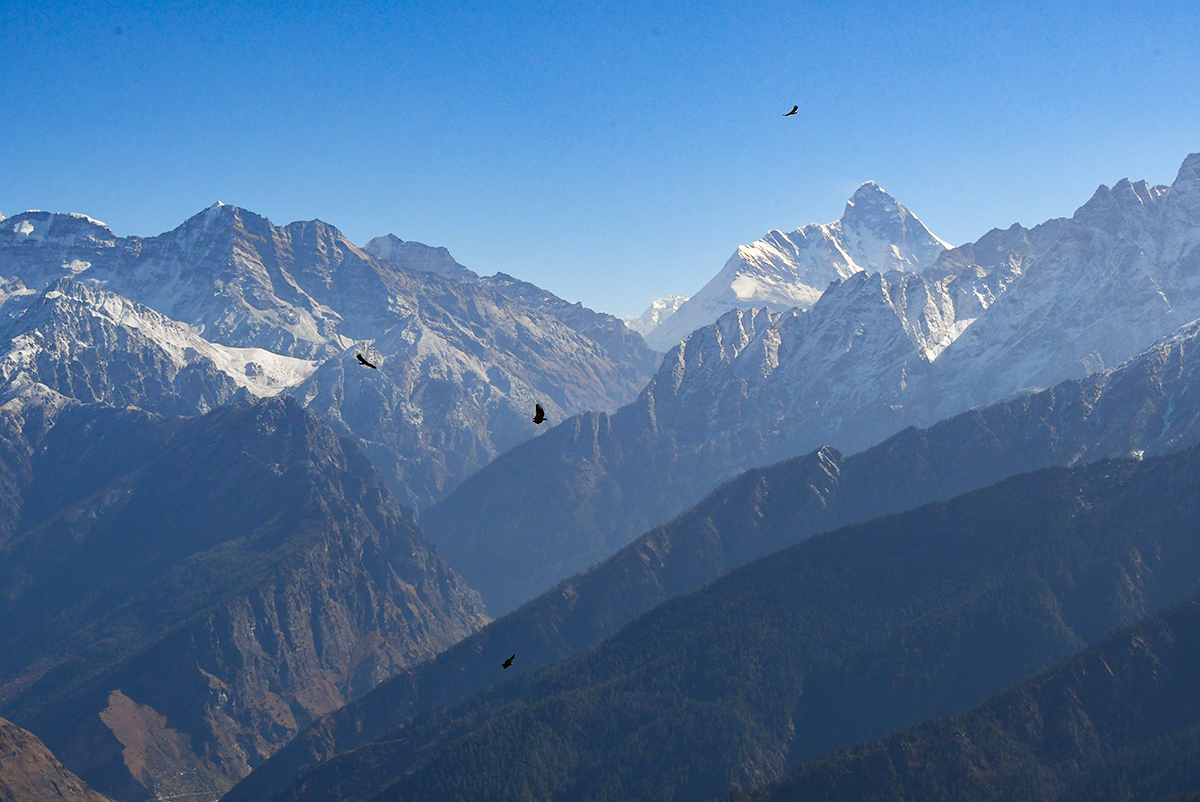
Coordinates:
(656, 313)
(880, 234)
(58, 228)
(876, 233)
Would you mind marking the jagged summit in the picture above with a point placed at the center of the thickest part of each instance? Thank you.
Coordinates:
(868, 195)
(1125, 197)
(781, 271)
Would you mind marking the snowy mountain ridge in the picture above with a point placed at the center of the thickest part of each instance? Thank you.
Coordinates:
(461, 362)
(261, 372)
(781, 270)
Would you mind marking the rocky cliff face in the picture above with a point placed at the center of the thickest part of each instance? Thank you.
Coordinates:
(636, 360)
(459, 374)
(1122, 272)
(182, 596)
(29, 772)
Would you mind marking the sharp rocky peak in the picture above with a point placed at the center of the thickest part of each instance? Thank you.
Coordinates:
(878, 233)
(1190, 169)
(871, 203)
(1125, 197)
(869, 193)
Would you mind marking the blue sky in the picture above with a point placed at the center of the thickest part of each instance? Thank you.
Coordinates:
(610, 152)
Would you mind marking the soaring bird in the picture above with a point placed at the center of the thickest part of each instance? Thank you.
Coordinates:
(508, 662)
(362, 361)
(793, 111)
(539, 414)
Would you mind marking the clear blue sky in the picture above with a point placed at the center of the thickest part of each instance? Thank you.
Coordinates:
(611, 152)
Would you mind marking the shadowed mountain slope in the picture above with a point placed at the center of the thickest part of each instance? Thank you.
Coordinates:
(843, 637)
(30, 773)
(181, 596)
(1119, 721)
(1150, 405)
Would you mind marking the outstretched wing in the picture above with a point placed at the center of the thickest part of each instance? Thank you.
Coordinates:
(793, 111)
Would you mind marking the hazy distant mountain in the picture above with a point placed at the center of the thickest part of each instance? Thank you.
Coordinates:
(1118, 721)
(843, 637)
(656, 313)
(781, 271)
(631, 354)
(1150, 405)
(416, 256)
(460, 369)
(182, 595)
(461, 362)
(876, 353)
(30, 773)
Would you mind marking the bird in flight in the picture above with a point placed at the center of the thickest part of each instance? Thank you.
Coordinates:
(508, 662)
(363, 361)
(793, 111)
(539, 414)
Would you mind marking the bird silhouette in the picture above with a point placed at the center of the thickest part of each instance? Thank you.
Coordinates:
(508, 662)
(539, 414)
(362, 361)
(793, 111)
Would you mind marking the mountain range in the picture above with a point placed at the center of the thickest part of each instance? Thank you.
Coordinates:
(1148, 406)
(461, 361)
(209, 550)
(876, 353)
(843, 637)
(182, 594)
